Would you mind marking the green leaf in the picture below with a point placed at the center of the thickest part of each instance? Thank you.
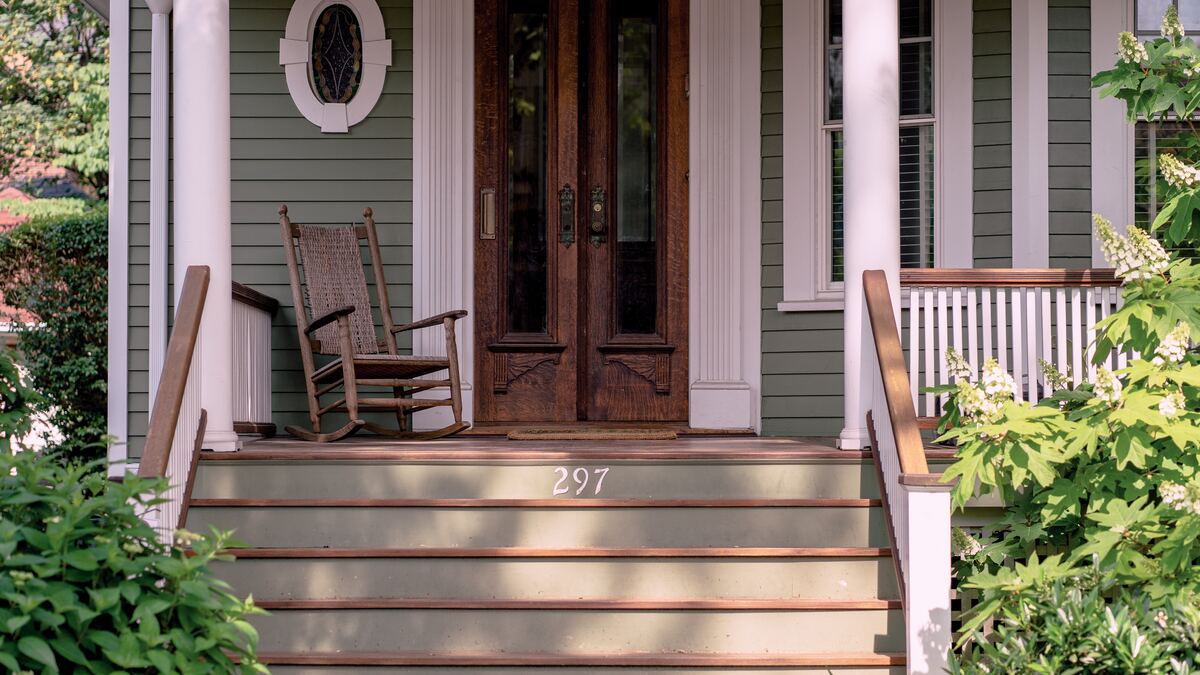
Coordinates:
(37, 649)
(81, 559)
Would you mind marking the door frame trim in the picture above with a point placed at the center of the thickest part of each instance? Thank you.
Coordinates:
(725, 359)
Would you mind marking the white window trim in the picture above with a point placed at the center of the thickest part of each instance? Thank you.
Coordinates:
(1112, 135)
(118, 240)
(806, 217)
(295, 52)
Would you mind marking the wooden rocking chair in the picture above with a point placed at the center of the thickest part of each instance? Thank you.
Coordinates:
(333, 317)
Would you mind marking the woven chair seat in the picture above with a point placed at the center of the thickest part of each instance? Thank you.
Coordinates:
(383, 366)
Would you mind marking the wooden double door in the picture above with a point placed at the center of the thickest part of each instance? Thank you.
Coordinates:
(581, 223)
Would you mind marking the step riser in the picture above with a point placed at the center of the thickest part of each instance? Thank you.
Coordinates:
(681, 578)
(522, 670)
(546, 527)
(580, 632)
(827, 479)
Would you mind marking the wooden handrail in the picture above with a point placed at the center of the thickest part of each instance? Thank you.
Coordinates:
(178, 364)
(256, 299)
(890, 353)
(1010, 278)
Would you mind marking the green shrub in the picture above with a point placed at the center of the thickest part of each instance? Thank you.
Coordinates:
(1107, 475)
(1073, 626)
(85, 586)
(56, 268)
(40, 209)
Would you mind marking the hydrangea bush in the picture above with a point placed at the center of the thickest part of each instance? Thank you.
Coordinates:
(1102, 478)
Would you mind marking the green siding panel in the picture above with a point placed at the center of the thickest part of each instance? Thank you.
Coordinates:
(278, 156)
(992, 125)
(1070, 133)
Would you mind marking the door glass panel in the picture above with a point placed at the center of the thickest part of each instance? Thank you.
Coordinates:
(636, 280)
(526, 159)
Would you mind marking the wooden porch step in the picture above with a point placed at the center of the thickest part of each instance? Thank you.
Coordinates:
(580, 552)
(630, 660)
(667, 604)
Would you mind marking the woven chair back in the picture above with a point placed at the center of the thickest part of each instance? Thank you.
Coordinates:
(334, 278)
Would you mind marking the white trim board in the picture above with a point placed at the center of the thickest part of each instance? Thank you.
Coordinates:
(118, 236)
(724, 214)
(1031, 134)
(1112, 135)
(443, 183)
(806, 272)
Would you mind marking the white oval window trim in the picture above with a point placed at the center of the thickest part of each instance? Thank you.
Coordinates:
(295, 53)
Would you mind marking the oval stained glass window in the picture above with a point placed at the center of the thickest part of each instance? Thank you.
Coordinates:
(337, 54)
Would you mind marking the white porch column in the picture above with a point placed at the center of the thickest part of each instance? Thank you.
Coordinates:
(443, 181)
(871, 95)
(1031, 133)
(160, 113)
(724, 205)
(202, 194)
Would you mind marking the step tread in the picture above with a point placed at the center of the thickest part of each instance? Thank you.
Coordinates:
(563, 502)
(577, 552)
(731, 604)
(676, 659)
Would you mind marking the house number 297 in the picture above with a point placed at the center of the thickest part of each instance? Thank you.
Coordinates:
(578, 479)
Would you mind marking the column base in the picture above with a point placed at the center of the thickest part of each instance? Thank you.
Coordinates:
(715, 404)
(222, 441)
(853, 438)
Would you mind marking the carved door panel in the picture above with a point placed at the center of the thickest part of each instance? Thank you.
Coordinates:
(580, 254)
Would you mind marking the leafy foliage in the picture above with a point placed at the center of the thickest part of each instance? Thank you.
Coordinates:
(1071, 626)
(54, 87)
(85, 586)
(40, 209)
(1106, 475)
(57, 269)
(17, 402)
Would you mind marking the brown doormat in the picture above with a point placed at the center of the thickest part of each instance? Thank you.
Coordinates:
(592, 435)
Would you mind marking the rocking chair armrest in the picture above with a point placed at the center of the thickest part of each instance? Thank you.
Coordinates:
(431, 321)
(328, 318)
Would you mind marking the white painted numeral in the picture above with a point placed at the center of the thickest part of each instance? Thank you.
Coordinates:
(559, 488)
(581, 476)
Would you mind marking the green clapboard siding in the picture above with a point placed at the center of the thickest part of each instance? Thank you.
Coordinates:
(992, 75)
(801, 351)
(278, 156)
(1070, 133)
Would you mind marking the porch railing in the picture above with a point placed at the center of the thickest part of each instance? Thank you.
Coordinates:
(916, 502)
(252, 314)
(1020, 317)
(177, 421)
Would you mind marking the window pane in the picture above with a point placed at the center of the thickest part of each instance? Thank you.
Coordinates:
(1189, 15)
(336, 54)
(1150, 14)
(916, 196)
(837, 222)
(637, 171)
(916, 18)
(527, 125)
(1150, 139)
(834, 22)
(916, 78)
(833, 84)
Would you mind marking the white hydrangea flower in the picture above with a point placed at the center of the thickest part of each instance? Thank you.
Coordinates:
(1172, 29)
(1054, 378)
(1107, 386)
(1174, 347)
(1179, 497)
(957, 366)
(1172, 404)
(997, 383)
(1135, 257)
(1130, 49)
(963, 544)
(1176, 173)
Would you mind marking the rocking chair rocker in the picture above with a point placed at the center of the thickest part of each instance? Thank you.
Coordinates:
(333, 317)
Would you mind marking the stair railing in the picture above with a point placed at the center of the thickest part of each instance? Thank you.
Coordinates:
(252, 315)
(1020, 317)
(177, 421)
(916, 502)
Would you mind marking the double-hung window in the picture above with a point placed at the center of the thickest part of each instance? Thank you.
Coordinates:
(916, 135)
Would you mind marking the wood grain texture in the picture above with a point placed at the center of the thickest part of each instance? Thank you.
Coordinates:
(176, 366)
(248, 296)
(670, 604)
(1011, 278)
(580, 552)
(531, 660)
(560, 503)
